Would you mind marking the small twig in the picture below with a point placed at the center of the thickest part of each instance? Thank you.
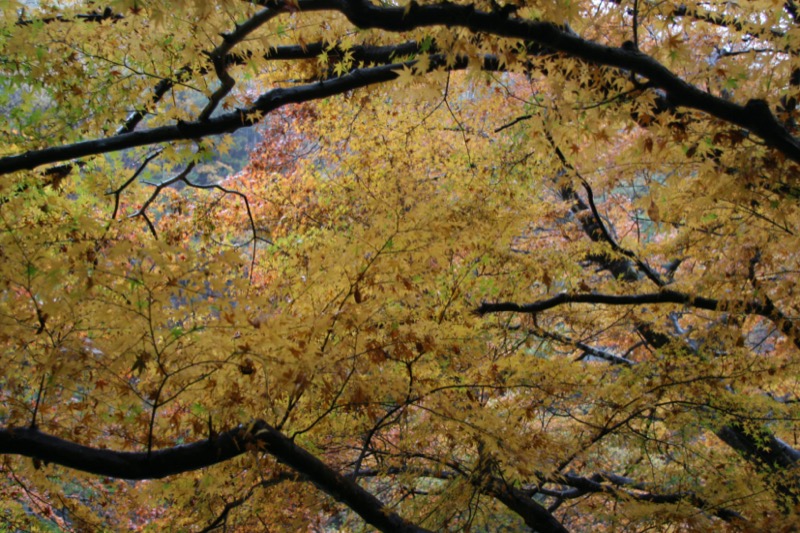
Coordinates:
(221, 520)
(250, 218)
(142, 212)
(38, 401)
(513, 122)
(117, 192)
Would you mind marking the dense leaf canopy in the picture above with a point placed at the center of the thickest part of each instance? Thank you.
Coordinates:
(488, 266)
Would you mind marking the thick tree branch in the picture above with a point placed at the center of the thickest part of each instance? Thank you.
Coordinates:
(771, 455)
(219, 56)
(756, 116)
(535, 515)
(360, 54)
(226, 123)
(765, 446)
(225, 446)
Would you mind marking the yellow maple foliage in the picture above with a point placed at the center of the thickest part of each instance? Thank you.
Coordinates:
(486, 266)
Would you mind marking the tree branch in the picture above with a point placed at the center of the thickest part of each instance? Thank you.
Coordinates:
(169, 461)
(753, 307)
(94, 16)
(535, 515)
(661, 297)
(225, 123)
(612, 484)
(756, 116)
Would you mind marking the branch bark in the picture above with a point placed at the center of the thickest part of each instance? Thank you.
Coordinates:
(225, 123)
(614, 485)
(258, 436)
(756, 116)
(767, 310)
(769, 454)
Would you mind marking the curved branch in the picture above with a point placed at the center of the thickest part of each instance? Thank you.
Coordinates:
(225, 446)
(226, 123)
(219, 55)
(755, 116)
(597, 230)
(221, 519)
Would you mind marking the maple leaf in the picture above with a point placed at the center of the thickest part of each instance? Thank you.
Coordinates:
(347, 252)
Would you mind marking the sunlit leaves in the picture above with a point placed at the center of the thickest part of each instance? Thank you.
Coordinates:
(153, 297)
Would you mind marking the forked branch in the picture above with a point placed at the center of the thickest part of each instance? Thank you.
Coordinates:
(258, 436)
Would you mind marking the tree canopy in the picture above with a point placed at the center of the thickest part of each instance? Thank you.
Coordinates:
(490, 266)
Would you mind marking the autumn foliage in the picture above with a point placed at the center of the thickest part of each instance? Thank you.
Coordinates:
(489, 266)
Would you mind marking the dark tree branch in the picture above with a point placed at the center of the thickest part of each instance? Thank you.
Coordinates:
(225, 123)
(118, 191)
(221, 520)
(753, 307)
(585, 348)
(662, 297)
(727, 21)
(375, 55)
(95, 16)
(536, 516)
(771, 455)
(180, 177)
(756, 116)
(576, 486)
(166, 462)
(596, 229)
(761, 448)
(606, 236)
(613, 484)
(219, 56)
(791, 8)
